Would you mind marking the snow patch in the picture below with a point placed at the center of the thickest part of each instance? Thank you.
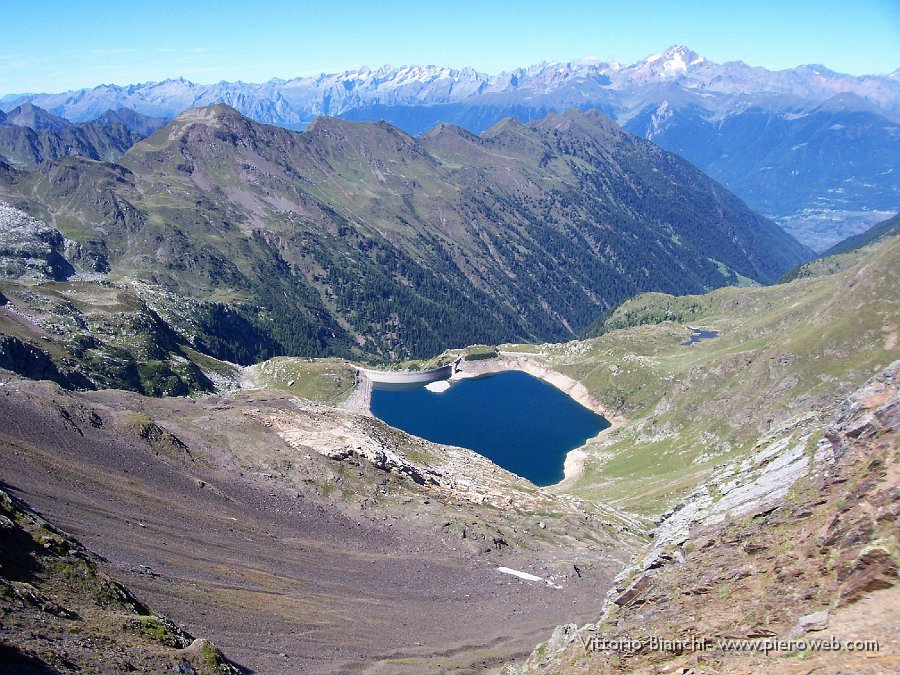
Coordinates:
(527, 577)
(675, 64)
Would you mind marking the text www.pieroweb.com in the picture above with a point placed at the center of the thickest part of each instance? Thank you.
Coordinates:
(698, 644)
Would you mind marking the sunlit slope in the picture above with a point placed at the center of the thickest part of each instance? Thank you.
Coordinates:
(784, 352)
(356, 239)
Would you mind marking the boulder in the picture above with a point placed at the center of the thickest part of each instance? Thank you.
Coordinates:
(810, 622)
(872, 570)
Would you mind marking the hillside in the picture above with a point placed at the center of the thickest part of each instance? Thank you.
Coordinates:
(88, 621)
(357, 239)
(766, 458)
(819, 170)
(274, 510)
(783, 352)
(784, 561)
(808, 146)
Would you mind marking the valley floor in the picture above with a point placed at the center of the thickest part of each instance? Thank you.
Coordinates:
(299, 535)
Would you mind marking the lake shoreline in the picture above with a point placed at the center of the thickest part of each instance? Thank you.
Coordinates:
(360, 401)
(573, 466)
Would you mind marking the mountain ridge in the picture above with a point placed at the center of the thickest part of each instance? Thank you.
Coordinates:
(30, 135)
(357, 237)
(677, 62)
(823, 192)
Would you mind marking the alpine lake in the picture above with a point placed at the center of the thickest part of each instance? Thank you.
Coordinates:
(514, 419)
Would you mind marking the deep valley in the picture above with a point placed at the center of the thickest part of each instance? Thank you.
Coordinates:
(647, 315)
(307, 535)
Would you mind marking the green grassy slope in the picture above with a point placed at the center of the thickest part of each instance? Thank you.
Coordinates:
(784, 352)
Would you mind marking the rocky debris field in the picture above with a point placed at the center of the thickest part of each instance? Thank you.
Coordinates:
(799, 540)
(287, 558)
(89, 622)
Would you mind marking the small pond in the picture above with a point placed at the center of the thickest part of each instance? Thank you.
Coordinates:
(697, 335)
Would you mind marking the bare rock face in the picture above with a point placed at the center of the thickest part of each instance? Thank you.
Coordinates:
(866, 412)
(30, 249)
(873, 570)
(632, 595)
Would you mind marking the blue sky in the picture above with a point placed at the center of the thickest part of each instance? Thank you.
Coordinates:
(48, 45)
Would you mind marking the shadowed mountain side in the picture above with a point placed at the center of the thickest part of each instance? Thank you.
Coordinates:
(356, 238)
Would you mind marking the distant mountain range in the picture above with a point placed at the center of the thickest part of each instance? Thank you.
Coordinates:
(355, 238)
(725, 88)
(30, 135)
(814, 149)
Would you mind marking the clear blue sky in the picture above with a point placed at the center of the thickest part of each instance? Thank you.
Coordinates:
(48, 45)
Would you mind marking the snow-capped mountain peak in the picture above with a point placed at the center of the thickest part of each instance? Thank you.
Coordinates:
(560, 84)
(677, 60)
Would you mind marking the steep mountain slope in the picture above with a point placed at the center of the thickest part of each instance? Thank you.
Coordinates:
(807, 146)
(61, 321)
(785, 561)
(88, 621)
(36, 136)
(355, 237)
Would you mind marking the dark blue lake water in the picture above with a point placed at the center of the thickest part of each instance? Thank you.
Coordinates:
(518, 421)
(698, 335)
